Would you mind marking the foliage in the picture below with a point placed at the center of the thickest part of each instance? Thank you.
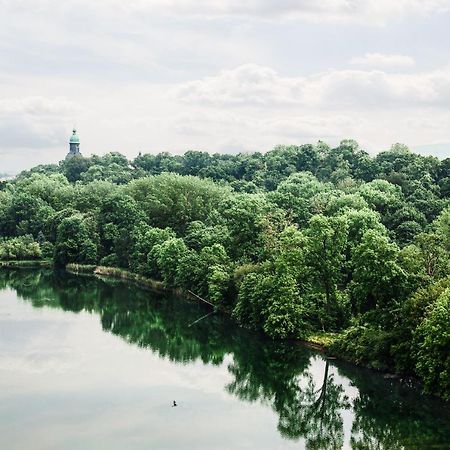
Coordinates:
(75, 242)
(300, 240)
(431, 347)
(20, 248)
(377, 276)
(174, 201)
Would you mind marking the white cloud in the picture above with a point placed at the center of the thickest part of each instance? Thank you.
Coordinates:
(257, 86)
(279, 126)
(22, 133)
(34, 122)
(369, 11)
(246, 84)
(329, 10)
(36, 106)
(383, 60)
(123, 76)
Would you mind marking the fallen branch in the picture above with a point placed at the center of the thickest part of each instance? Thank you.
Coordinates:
(200, 298)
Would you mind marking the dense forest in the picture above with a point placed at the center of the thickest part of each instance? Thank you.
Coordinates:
(300, 240)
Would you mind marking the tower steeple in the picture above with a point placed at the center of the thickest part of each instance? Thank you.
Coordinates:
(74, 145)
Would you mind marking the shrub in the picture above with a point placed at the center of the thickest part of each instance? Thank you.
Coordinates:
(20, 248)
(432, 347)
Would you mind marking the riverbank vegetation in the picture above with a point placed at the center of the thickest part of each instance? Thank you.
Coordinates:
(300, 240)
(120, 274)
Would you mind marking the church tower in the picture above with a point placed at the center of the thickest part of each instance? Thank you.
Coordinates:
(74, 145)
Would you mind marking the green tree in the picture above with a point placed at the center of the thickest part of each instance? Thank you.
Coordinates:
(175, 201)
(30, 214)
(167, 256)
(117, 217)
(327, 239)
(75, 167)
(143, 238)
(295, 193)
(432, 343)
(199, 235)
(382, 196)
(247, 217)
(377, 275)
(442, 227)
(76, 241)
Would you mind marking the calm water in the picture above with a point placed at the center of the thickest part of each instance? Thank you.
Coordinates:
(88, 364)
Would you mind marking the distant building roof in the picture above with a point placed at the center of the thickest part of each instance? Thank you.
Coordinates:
(74, 139)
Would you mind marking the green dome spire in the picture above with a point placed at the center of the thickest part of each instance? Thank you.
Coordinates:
(74, 139)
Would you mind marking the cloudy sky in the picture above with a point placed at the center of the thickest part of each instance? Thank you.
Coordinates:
(221, 75)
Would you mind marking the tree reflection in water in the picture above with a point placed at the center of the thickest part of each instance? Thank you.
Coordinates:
(315, 413)
(311, 407)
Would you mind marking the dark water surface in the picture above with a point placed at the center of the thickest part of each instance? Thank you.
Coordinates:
(91, 364)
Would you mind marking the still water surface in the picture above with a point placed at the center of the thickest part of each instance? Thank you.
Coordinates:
(92, 364)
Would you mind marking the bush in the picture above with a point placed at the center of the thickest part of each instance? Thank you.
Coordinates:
(271, 303)
(366, 345)
(20, 248)
(110, 260)
(432, 347)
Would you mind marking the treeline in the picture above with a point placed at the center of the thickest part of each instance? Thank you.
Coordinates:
(300, 239)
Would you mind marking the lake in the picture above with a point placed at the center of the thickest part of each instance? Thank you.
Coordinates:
(96, 364)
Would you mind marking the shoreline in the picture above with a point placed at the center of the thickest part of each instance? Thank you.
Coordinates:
(317, 341)
(27, 264)
(127, 276)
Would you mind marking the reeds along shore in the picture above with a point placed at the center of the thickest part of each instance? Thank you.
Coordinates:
(122, 274)
(47, 263)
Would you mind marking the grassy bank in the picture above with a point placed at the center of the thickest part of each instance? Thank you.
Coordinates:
(321, 341)
(47, 263)
(121, 274)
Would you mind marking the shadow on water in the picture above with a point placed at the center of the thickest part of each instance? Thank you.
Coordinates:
(323, 402)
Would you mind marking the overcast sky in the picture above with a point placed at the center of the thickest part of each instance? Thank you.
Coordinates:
(220, 75)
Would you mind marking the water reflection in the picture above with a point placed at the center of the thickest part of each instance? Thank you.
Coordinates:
(325, 404)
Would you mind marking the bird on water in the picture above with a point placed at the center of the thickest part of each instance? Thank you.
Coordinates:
(174, 403)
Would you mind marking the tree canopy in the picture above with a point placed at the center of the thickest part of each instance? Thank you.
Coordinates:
(297, 240)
